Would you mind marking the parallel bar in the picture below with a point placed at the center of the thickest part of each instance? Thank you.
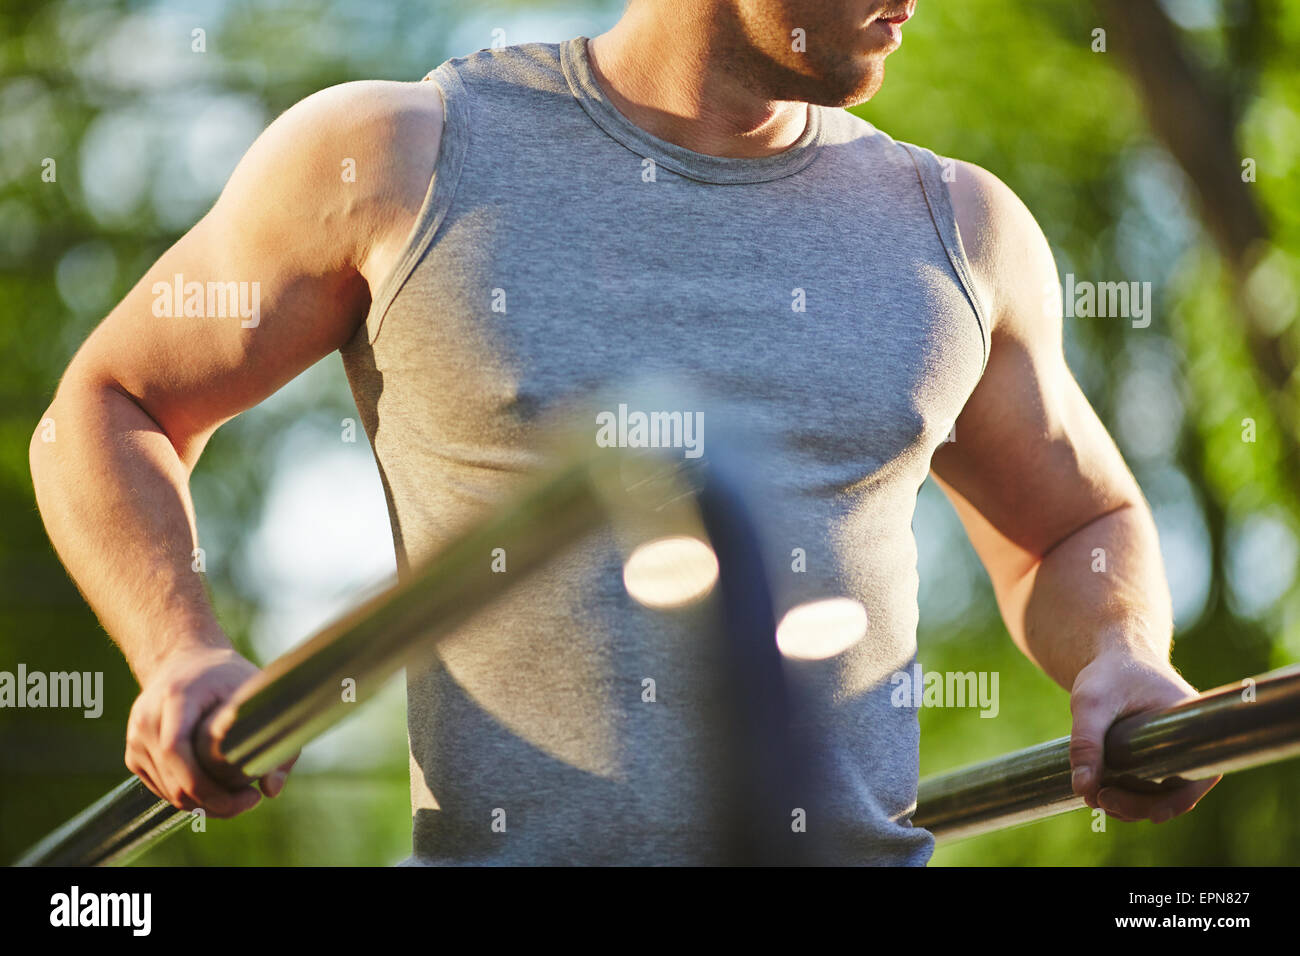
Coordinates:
(119, 826)
(1223, 730)
(297, 696)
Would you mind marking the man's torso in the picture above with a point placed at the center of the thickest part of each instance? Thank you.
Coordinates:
(817, 297)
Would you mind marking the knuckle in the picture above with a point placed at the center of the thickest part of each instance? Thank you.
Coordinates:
(1084, 751)
(1083, 742)
(223, 809)
(1084, 697)
(187, 782)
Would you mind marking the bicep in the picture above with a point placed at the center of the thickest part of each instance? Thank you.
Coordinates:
(280, 254)
(189, 367)
(1032, 462)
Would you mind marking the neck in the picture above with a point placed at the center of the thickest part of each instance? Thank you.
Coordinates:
(669, 78)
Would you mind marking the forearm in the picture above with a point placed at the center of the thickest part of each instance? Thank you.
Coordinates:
(114, 496)
(1101, 589)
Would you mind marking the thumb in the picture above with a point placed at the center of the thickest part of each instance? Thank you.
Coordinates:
(273, 782)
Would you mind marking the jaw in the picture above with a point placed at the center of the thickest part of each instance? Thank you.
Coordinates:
(847, 82)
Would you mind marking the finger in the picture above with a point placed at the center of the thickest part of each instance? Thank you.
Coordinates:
(273, 782)
(1157, 807)
(175, 756)
(1092, 718)
(142, 727)
(139, 763)
(210, 729)
(173, 791)
(216, 801)
(180, 762)
(233, 803)
(1115, 809)
(227, 799)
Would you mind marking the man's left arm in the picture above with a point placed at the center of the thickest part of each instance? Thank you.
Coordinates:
(1046, 498)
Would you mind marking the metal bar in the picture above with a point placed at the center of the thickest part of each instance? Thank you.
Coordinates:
(297, 696)
(1234, 727)
(119, 826)
(763, 769)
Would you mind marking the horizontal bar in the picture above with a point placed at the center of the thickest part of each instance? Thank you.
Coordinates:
(1234, 727)
(298, 696)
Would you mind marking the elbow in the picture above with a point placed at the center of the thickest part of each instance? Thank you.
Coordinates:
(57, 427)
(86, 416)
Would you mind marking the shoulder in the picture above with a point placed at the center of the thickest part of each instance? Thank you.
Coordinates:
(366, 133)
(1010, 258)
(347, 162)
(378, 138)
(366, 106)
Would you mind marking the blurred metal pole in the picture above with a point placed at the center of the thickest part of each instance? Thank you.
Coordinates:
(1223, 730)
(765, 774)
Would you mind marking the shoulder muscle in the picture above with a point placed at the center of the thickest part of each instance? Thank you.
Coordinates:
(303, 223)
(1009, 255)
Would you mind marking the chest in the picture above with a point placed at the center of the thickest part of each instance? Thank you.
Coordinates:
(844, 326)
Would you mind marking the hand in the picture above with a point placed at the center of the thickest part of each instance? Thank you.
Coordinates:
(1117, 684)
(184, 690)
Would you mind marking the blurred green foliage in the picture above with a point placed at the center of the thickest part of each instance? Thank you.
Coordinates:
(144, 132)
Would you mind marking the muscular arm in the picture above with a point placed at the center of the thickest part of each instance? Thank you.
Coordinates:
(1050, 507)
(145, 392)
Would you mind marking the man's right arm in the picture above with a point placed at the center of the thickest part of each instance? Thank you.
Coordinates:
(145, 392)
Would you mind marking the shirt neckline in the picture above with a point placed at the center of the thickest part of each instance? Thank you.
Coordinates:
(685, 162)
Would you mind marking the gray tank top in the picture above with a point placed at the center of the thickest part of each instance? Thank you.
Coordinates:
(821, 294)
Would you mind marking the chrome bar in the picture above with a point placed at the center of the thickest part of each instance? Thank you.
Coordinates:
(1248, 724)
(118, 827)
(298, 696)
(762, 771)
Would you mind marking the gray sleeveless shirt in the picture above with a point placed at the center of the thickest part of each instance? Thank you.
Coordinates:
(822, 291)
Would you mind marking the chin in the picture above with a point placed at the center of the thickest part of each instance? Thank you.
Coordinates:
(843, 78)
(848, 87)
